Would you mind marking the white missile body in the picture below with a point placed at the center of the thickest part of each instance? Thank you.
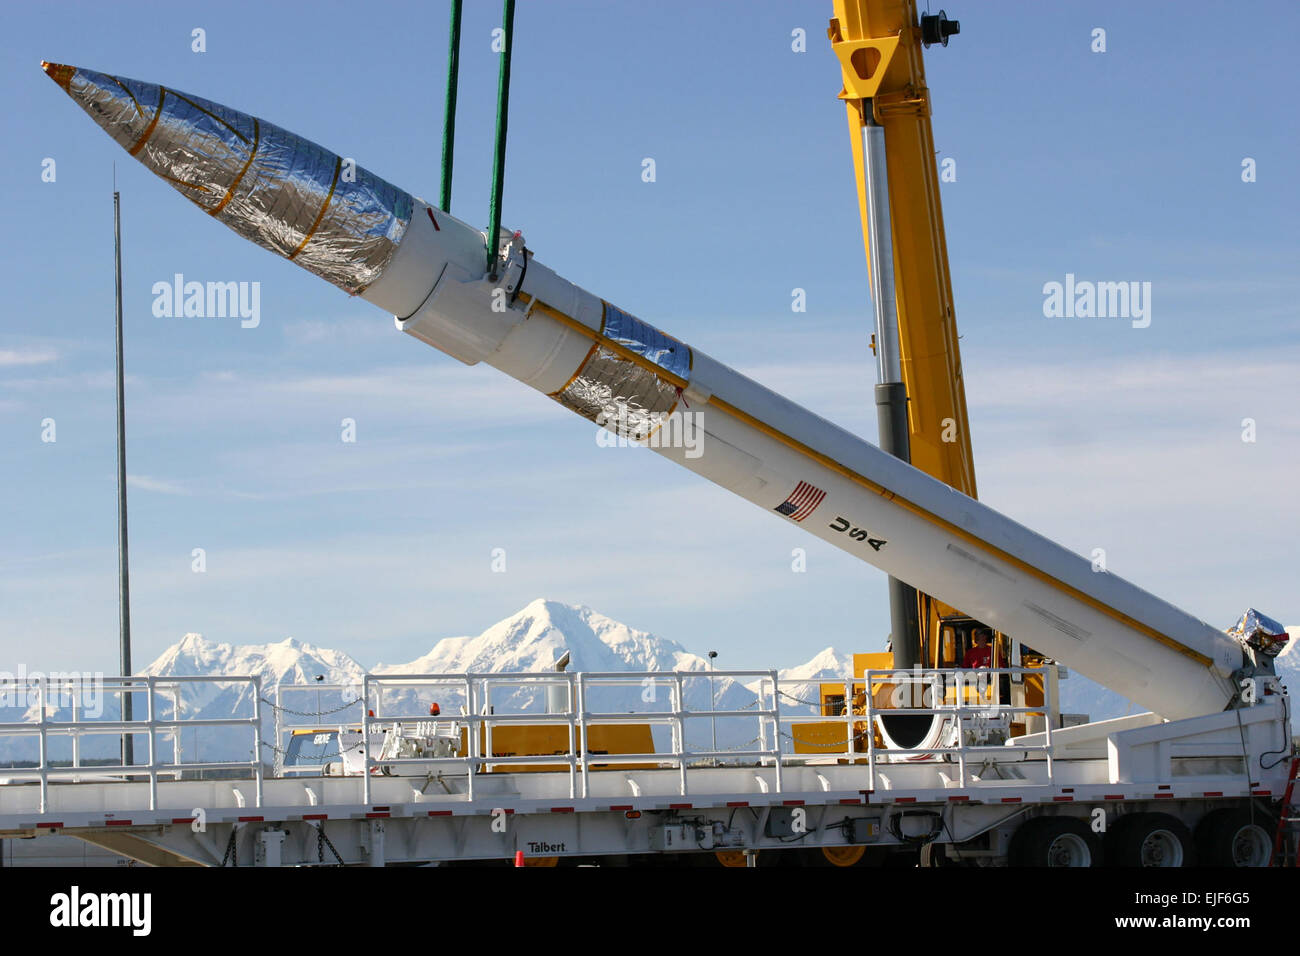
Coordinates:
(592, 357)
(947, 545)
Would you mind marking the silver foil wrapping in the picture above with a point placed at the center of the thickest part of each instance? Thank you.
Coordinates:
(1254, 623)
(1260, 634)
(620, 395)
(283, 192)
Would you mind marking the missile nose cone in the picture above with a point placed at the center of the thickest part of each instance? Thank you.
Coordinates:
(283, 192)
(59, 73)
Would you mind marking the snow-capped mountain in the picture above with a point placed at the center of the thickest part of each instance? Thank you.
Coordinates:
(535, 637)
(290, 662)
(531, 640)
(803, 698)
(1288, 662)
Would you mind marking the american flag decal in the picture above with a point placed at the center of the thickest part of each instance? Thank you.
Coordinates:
(802, 502)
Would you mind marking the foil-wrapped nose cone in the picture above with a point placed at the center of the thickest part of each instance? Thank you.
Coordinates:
(281, 191)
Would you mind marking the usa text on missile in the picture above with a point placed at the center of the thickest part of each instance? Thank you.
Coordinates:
(425, 267)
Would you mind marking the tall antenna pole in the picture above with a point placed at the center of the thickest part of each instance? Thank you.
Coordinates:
(123, 566)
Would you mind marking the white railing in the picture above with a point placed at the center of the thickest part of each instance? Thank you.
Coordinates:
(161, 694)
(479, 719)
(961, 697)
(389, 703)
(975, 694)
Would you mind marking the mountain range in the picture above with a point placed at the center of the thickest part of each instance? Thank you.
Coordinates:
(531, 640)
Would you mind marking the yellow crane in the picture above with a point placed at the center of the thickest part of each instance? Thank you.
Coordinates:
(921, 396)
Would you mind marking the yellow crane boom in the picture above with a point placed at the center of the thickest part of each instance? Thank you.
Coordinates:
(878, 44)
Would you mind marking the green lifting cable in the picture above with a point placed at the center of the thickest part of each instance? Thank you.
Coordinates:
(499, 161)
(449, 115)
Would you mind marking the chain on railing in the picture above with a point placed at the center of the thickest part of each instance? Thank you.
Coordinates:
(310, 713)
(279, 727)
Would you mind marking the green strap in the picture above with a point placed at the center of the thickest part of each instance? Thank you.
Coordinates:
(499, 161)
(449, 115)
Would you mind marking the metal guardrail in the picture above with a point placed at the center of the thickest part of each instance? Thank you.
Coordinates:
(974, 696)
(861, 723)
(478, 688)
(955, 696)
(45, 694)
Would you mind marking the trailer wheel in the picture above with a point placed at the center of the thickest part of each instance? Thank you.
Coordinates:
(1229, 837)
(1054, 841)
(1150, 839)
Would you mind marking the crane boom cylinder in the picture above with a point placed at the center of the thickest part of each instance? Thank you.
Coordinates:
(904, 618)
(891, 391)
(888, 360)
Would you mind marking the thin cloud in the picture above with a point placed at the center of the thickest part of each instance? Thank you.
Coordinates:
(159, 485)
(13, 357)
(313, 331)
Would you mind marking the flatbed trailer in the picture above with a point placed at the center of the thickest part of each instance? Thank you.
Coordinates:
(1135, 790)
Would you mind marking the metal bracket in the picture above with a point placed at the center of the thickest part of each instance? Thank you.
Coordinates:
(514, 265)
(863, 63)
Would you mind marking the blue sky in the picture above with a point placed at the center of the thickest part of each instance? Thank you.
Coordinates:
(1123, 165)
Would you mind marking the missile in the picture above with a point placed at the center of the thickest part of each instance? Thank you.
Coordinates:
(428, 269)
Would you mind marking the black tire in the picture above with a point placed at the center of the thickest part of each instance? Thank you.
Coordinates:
(935, 856)
(1054, 841)
(1229, 837)
(1150, 840)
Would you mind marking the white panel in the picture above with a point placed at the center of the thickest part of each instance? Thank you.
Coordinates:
(440, 322)
(542, 353)
(421, 257)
